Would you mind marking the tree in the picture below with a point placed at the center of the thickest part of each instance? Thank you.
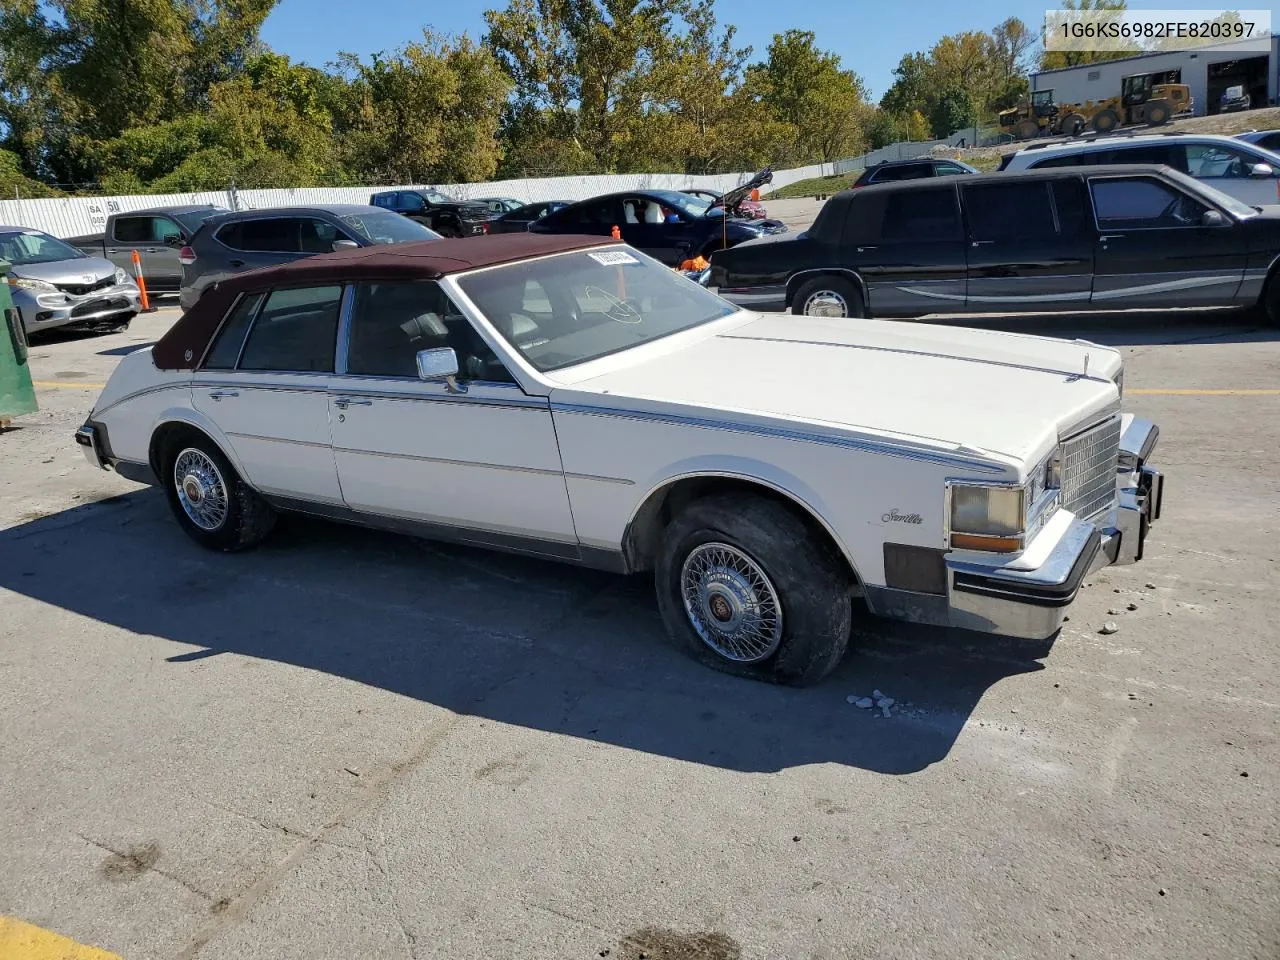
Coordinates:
(952, 111)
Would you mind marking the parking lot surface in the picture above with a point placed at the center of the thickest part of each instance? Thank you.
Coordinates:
(348, 744)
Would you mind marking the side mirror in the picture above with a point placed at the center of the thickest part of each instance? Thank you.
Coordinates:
(1212, 218)
(345, 245)
(1261, 170)
(174, 240)
(440, 363)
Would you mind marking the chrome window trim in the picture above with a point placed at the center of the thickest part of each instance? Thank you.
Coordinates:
(342, 348)
(782, 433)
(521, 401)
(208, 347)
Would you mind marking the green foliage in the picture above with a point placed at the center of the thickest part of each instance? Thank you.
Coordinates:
(953, 110)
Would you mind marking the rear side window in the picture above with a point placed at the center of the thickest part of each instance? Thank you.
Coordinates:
(1009, 211)
(908, 171)
(920, 215)
(296, 331)
(226, 348)
(1072, 208)
(268, 235)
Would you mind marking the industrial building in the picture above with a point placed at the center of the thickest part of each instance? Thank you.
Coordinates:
(1208, 71)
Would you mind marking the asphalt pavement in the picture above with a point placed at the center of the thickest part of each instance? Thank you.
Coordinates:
(348, 744)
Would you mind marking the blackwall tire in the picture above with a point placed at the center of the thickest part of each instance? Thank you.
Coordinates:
(745, 586)
(212, 504)
(829, 296)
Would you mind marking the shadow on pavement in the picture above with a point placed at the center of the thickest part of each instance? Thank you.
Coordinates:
(126, 349)
(520, 641)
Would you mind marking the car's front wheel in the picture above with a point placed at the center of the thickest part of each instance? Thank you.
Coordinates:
(746, 587)
(215, 507)
(829, 296)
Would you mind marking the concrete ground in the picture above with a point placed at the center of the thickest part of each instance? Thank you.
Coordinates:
(355, 745)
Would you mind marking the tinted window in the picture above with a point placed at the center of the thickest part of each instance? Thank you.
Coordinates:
(588, 214)
(231, 337)
(412, 202)
(384, 200)
(1271, 141)
(1066, 160)
(909, 171)
(145, 229)
(865, 219)
(317, 236)
(269, 235)
(1009, 211)
(1073, 211)
(391, 322)
(929, 214)
(1140, 203)
(193, 219)
(949, 169)
(295, 331)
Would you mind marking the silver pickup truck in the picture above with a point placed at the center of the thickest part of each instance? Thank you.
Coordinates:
(157, 234)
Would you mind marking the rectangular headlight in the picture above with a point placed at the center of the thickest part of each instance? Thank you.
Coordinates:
(988, 518)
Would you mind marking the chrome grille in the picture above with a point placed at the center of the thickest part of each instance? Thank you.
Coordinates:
(1089, 468)
(84, 289)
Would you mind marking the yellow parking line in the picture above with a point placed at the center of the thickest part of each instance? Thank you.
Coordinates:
(22, 941)
(1195, 392)
(61, 385)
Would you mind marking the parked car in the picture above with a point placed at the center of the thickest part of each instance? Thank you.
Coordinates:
(1042, 240)
(746, 207)
(666, 224)
(157, 234)
(436, 211)
(1267, 139)
(919, 169)
(572, 399)
(500, 205)
(242, 241)
(1234, 99)
(1246, 172)
(517, 221)
(55, 285)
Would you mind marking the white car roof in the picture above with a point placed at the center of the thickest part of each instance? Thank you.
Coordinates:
(1029, 154)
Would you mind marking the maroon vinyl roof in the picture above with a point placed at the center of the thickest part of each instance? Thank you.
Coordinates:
(183, 346)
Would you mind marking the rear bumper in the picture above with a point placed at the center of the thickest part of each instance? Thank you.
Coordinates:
(1031, 603)
(96, 446)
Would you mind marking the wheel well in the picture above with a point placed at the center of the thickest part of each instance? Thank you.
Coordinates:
(168, 435)
(1273, 276)
(644, 533)
(796, 282)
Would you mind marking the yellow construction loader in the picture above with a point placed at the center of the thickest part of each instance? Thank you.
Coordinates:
(1034, 115)
(1141, 101)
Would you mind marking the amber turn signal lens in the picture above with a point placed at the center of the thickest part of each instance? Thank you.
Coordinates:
(975, 541)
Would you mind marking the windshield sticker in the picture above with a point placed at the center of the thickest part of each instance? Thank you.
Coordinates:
(613, 257)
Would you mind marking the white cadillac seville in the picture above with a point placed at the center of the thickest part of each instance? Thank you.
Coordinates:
(570, 398)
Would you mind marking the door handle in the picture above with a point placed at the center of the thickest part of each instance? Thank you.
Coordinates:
(980, 243)
(219, 394)
(343, 402)
(151, 250)
(1111, 236)
(862, 249)
(236, 263)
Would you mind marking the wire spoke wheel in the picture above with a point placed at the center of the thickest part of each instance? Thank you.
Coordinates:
(825, 303)
(731, 603)
(201, 489)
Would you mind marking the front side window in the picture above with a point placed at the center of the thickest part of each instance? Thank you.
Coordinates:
(145, 229)
(226, 348)
(1205, 161)
(919, 215)
(295, 331)
(949, 169)
(384, 200)
(579, 306)
(392, 321)
(1136, 203)
(412, 203)
(1014, 211)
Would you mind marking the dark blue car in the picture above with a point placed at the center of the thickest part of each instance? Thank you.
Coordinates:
(666, 224)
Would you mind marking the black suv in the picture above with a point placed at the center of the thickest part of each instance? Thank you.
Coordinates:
(433, 209)
(893, 170)
(1111, 237)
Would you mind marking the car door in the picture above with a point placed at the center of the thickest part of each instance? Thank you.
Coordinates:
(1029, 245)
(477, 462)
(1250, 177)
(268, 391)
(657, 229)
(154, 238)
(908, 246)
(1154, 249)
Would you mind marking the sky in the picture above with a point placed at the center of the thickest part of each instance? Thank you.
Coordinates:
(870, 37)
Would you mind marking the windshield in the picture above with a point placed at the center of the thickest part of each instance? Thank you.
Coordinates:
(435, 196)
(31, 246)
(692, 207)
(380, 227)
(584, 305)
(191, 219)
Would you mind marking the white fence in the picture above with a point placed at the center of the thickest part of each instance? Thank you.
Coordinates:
(77, 216)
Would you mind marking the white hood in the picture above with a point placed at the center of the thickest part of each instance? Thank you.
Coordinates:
(1009, 395)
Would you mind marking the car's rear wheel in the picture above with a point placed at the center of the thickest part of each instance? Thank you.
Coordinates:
(215, 507)
(746, 587)
(829, 296)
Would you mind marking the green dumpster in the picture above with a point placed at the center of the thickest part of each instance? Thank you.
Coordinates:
(17, 394)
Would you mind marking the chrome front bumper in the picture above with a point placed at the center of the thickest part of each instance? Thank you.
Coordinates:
(1032, 603)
